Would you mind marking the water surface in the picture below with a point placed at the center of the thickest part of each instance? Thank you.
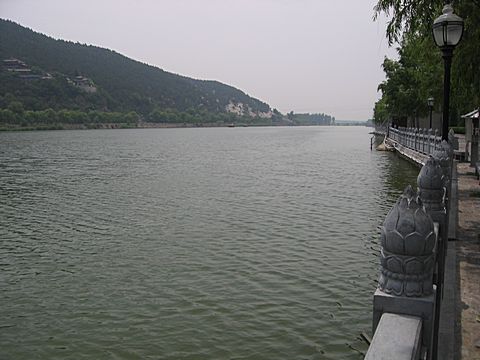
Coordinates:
(220, 243)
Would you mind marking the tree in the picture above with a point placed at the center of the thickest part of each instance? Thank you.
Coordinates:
(16, 107)
(418, 73)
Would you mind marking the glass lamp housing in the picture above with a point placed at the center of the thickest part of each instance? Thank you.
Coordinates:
(447, 28)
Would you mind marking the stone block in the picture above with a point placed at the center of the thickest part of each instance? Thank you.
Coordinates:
(422, 307)
(398, 337)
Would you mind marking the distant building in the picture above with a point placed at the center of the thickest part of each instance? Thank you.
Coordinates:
(30, 77)
(472, 135)
(23, 71)
(15, 65)
(83, 83)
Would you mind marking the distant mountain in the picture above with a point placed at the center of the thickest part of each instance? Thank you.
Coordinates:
(43, 73)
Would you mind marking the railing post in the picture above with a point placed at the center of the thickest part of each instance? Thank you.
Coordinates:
(431, 190)
(452, 140)
(424, 136)
(420, 141)
(430, 148)
(414, 138)
(444, 156)
(407, 259)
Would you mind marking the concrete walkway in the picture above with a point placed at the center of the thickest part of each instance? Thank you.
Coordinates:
(449, 325)
(468, 262)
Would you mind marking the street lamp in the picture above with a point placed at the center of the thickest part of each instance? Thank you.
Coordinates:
(447, 32)
(430, 106)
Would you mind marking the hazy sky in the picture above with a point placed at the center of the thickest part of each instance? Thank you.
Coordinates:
(300, 55)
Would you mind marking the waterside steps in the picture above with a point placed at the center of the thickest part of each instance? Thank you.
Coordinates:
(412, 307)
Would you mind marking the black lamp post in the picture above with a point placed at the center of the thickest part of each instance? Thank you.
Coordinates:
(430, 106)
(447, 32)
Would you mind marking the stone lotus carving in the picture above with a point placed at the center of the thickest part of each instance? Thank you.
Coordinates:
(407, 255)
(447, 147)
(443, 151)
(452, 140)
(442, 154)
(431, 185)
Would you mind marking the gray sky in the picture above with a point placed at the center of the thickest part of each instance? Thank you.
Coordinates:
(300, 55)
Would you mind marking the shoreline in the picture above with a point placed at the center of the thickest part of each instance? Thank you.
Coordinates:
(144, 125)
(116, 126)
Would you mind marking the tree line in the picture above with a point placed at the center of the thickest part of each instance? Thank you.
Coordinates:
(311, 119)
(123, 85)
(418, 72)
(16, 117)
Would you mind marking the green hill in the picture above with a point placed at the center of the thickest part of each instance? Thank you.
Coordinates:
(57, 75)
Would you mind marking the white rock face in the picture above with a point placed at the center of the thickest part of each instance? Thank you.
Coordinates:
(243, 109)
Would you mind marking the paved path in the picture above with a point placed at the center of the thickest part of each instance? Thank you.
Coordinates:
(468, 261)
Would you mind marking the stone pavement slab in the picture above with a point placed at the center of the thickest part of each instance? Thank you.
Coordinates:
(468, 259)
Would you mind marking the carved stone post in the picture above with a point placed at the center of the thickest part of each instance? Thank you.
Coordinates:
(421, 137)
(407, 259)
(420, 140)
(452, 140)
(430, 183)
(443, 155)
(408, 241)
(431, 191)
(415, 139)
(424, 140)
(448, 149)
(430, 145)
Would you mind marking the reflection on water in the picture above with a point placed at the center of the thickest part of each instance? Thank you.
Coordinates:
(243, 243)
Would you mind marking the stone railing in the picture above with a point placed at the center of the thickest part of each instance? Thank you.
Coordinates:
(425, 141)
(381, 129)
(414, 235)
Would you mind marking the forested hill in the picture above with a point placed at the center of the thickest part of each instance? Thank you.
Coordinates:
(56, 74)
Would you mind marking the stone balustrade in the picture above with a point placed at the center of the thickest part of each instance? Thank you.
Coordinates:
(424, 141)
(407, 302)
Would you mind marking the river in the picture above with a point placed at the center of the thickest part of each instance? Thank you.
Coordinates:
(215, 243)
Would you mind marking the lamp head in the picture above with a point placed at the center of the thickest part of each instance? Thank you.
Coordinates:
(448, 28)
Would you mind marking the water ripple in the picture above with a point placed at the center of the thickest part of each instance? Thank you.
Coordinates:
(245, 243)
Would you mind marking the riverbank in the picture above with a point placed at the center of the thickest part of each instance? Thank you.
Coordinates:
(468, 261)
(144, 125)
(121, 126)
